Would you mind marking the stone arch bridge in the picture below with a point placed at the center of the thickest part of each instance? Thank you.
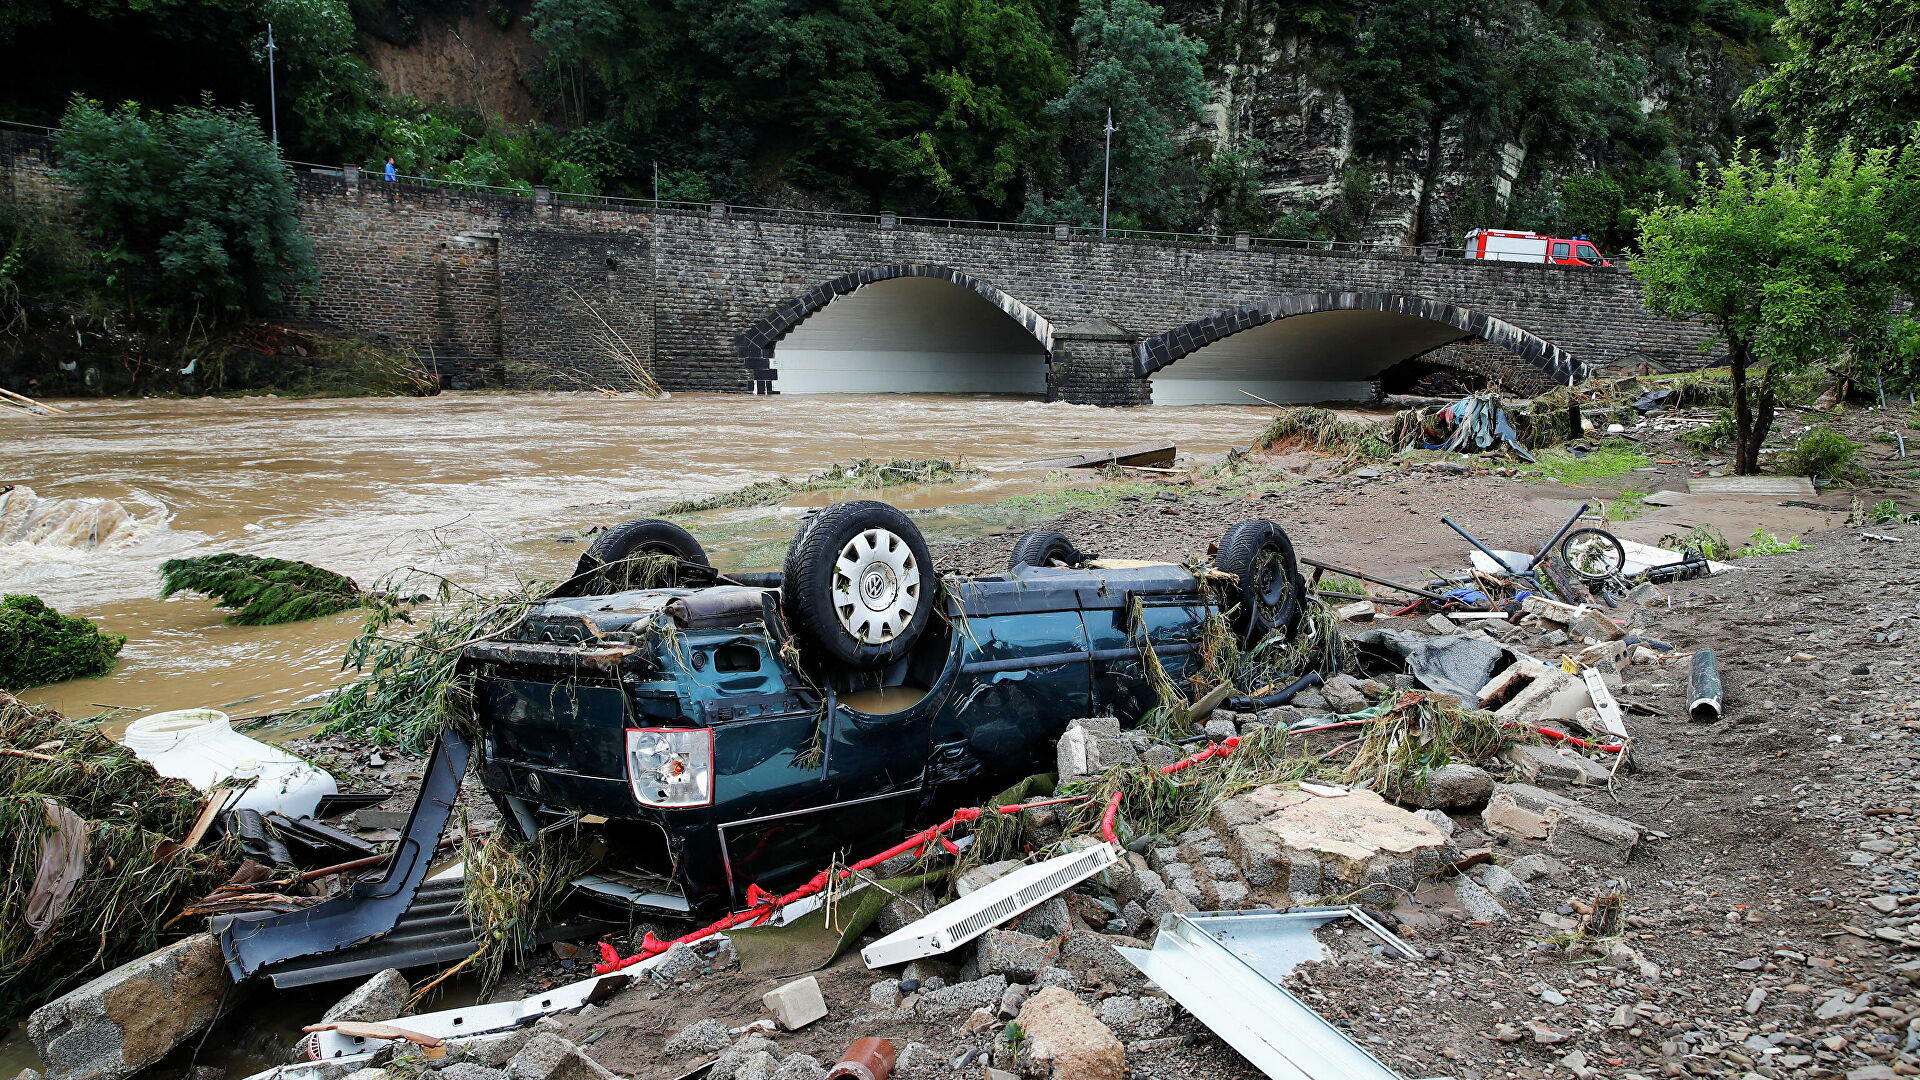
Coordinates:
(520, 290)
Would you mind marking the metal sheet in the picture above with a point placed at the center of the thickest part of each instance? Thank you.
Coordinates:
(1226, 969)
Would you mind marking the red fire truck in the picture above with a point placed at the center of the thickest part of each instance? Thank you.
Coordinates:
(1508, 246)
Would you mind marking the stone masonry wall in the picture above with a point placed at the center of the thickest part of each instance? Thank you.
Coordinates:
(516, 291)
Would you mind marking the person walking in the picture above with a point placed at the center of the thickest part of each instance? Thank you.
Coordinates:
(393, 174)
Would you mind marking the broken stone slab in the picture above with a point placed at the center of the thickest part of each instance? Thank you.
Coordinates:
(1343, 693)
(711, 1036)
(963, 997)
(1451, 785)
(1480, 905)
(1550, 610)
(1356, 844)
(1567, 827)
(130, 1017)
(1505, 887)
(1064, 1040)
(381, 997)
(1008, 952)
(1553, 766)
(796, 1004)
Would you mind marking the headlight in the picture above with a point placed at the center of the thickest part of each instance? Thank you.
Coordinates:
(670, 767)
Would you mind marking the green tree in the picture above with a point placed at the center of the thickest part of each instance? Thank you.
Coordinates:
(191, 207)
(1852, 70)
(1791, 261)
(1132, 61)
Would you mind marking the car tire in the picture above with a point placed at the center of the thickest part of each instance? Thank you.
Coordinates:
(1044, 547)
(1268, 591)
(602, 568)
(858, 585)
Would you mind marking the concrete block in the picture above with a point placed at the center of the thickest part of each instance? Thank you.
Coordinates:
(1451, 785)
(711, 1036)
(549, 1057)
(1503, 884)
(1550, 610)
(1017, 956)
(981, 876)
(1565, 826)
(130, 1017)
(1358, 611)
(796, 1004)
(1529, 692)
(379, 998)
(1066, 1041)
(1553, 766)
(1344, 695)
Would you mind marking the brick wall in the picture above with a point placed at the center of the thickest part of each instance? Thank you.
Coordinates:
(524, 292)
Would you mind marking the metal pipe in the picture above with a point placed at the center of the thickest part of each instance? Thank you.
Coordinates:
(1564, 530)
(1704, 687)
(1278, 697)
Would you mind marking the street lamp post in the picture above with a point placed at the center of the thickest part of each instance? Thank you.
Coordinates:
(273, 98)
(1106, 175)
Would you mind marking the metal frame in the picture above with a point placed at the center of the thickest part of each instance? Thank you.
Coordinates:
(1226, 968)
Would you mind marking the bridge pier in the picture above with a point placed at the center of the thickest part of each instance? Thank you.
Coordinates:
(1093, 365)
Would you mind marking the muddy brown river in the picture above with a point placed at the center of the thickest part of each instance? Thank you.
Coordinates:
(483, 488)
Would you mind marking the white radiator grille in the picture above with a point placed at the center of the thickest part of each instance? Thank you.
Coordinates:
(988, 906)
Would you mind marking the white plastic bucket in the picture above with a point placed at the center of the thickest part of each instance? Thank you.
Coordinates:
(201, 747)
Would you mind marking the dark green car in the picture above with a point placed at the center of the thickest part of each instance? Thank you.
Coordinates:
(719, 731)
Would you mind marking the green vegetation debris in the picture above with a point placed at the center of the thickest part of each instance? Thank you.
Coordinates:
(1825, 453)
(1883, 512)
(1714, 437)
(125, 893)
(1308, 428)
(1711, 543)
(408, 690)
(864, 474)
(513, 889)
(38, 645)
(262, 591)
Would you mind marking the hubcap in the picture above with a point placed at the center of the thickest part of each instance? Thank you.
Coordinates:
(876, 586)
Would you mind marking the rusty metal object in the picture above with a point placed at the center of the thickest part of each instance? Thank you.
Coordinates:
(867, 1059)
(604, 659)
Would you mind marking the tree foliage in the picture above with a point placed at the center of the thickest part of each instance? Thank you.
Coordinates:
(1852, 71)
(1793, 261)
(192, 208)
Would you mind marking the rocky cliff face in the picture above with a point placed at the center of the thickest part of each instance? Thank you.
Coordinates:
(1661, 92)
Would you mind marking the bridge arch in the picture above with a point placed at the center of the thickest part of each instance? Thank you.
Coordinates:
(914, 322)
(1322, 346)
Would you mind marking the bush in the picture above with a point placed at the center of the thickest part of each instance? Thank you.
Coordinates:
(192, 208)
(38, 645)
(1825, 453)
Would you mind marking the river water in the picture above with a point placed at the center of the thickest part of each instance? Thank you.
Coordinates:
(484, 488)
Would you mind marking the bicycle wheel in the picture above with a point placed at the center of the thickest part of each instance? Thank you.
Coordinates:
(1593, 554)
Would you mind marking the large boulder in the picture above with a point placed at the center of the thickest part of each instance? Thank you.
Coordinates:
(1063, 1040)
(1312, 846)
(129, 1018)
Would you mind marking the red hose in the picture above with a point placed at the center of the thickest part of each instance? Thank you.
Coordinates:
(611, 960)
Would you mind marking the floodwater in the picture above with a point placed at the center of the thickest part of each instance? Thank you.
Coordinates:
(482, 488)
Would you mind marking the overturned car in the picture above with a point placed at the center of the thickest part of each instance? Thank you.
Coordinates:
(715, 732)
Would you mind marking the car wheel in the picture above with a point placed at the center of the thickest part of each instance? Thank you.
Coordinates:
(859, 584)
(605, 567)
(1268, 591)
(1044, 547)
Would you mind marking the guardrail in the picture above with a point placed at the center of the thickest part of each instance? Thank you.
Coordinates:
(1244, 241)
